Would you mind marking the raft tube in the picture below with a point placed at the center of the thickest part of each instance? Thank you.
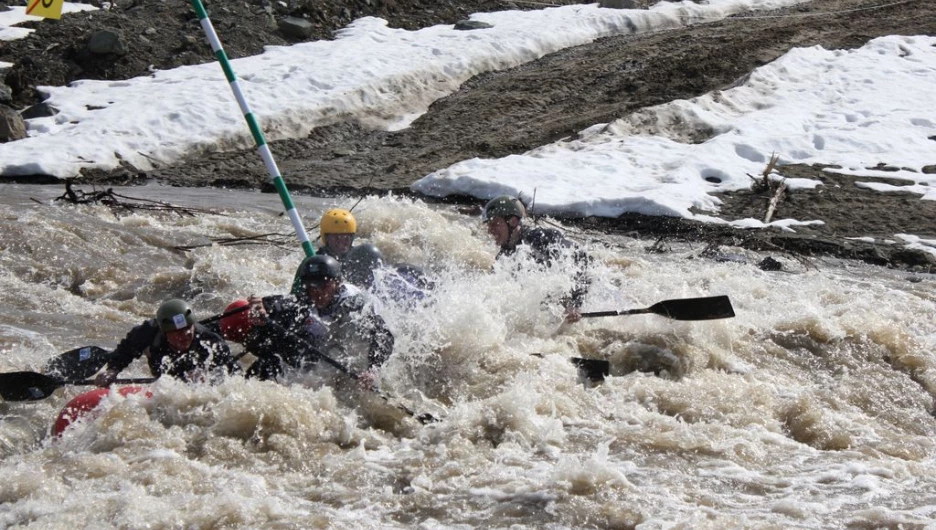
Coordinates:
(82, 405)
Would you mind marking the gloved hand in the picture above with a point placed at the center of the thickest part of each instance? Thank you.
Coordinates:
(315, 328)
(257, 315)
(369, 380)
(106, 378)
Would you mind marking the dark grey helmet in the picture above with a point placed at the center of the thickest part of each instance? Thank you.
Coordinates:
(503, 206)
(359, 264)
(174, 314)
(318, 269)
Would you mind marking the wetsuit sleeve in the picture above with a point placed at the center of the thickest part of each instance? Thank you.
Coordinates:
(381, 340)
(547, 244)
(581, 280)
(133, 345)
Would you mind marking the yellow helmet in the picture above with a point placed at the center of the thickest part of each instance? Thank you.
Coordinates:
(337, 221)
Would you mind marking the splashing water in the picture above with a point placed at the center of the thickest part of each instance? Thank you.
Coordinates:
(813, 407)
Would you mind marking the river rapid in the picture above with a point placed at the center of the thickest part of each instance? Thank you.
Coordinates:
(812, 408)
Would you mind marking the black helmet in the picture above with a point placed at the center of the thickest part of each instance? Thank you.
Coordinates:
(503, 206)
(360, 262)
(319, 268)
(174, 314)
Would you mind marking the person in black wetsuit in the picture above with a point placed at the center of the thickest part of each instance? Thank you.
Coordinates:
(175, 345)
(402, 284)
(504, 219)
(330, 315)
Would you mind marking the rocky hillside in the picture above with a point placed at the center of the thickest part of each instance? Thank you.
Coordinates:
(129, 38)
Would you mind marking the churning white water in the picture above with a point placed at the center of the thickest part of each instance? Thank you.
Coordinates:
(812, 408)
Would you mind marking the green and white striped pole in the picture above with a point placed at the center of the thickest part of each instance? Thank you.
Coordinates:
(262, 146)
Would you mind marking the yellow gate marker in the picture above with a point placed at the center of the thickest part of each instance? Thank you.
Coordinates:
(45, 8)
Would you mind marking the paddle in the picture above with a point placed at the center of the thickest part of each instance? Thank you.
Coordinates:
(80, 363)
(708, 308)
(33, 386)
(423, 418)
(84, 362)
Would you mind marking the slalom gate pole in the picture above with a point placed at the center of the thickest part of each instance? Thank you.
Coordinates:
(255, 130)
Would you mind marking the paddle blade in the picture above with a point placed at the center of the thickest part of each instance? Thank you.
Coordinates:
(79, 363)
(593, 369)
(27, 386)
(709, 308)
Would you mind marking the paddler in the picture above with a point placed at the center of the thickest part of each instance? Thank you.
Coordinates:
(504, 219)
(337, 228)
(402, 283)
(174, 344)
(327, 314)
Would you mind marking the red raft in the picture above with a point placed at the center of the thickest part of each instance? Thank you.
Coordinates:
(82, 405)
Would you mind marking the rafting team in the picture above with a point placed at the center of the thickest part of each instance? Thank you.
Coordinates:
(332, 308)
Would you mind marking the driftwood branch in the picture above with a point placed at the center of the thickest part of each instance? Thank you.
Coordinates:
(120, 204)
(778, 196)
(765, 184)
(762, 183)
(273, 239)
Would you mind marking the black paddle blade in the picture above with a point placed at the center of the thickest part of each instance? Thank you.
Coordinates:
(593, 369)
(80, 363)
(27, 386)
(709, 308)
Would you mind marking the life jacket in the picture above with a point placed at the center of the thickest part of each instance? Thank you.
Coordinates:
(207, 352)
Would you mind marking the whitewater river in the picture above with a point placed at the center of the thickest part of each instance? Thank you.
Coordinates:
(812, 408)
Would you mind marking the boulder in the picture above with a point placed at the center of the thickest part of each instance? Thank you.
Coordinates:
(6, 94)
(106, 42)
(12, 126)
(296, 28)
(40, 110)
(18, 77)
(465, 25)
(770, 264)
